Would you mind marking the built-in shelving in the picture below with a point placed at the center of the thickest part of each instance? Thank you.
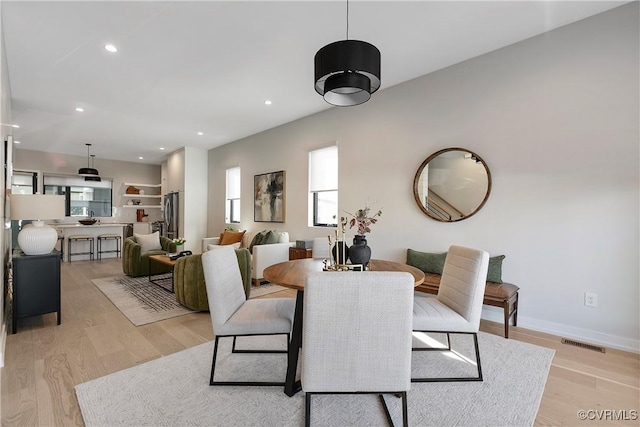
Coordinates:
(142, 185)
(149, 197)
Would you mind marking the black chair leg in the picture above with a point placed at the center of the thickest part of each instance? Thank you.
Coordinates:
(242, 383)
(451, 379)
(213, 364)
(386, 410)
(405, 411)
(475, 341)
(307, 409)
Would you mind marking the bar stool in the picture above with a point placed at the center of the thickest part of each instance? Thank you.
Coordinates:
(103, 237)
(80, 238)
(61, 240)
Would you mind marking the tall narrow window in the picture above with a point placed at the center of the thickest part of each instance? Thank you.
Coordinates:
(232, 209)
(323, 187)
(24, 182)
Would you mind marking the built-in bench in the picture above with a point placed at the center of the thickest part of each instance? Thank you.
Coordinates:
(502, 294)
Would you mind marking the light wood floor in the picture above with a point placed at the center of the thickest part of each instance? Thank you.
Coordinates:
(44, 362)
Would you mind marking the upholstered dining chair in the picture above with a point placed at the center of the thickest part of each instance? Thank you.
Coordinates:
(458, 305)
(233, 315)
(320, 248)
(357, 335)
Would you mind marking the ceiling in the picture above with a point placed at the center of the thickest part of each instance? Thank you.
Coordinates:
(209, 66)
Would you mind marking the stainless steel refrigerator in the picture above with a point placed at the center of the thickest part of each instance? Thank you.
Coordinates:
(171, 215)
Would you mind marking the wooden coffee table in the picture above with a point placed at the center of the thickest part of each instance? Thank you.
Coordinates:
(292, 274)
(163, 260)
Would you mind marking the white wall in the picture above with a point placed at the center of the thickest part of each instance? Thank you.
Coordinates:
(186, 168)
(5, 233)
(195, 217)
(556, 119)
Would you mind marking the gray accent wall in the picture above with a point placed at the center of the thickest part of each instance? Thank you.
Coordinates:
(556, 118)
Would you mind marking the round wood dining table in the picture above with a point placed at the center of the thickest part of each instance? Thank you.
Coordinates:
(292, 274)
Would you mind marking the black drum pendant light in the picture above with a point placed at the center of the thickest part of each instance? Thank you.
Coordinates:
(95, 178)
(89, 171)
(347, 72)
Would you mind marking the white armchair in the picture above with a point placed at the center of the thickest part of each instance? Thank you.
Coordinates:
(263, 255)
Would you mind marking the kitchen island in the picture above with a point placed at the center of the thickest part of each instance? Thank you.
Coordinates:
(67, 230)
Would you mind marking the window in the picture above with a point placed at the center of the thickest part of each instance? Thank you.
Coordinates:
(323, 187)
(82, 198)
(23, 182)
(232, 206)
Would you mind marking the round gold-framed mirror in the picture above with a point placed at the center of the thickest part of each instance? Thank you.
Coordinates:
(452, 184)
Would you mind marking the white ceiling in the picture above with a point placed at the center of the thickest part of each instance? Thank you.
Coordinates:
(208, 66)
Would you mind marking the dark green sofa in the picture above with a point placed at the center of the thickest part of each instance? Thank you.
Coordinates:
(188, 279)
(135, 263)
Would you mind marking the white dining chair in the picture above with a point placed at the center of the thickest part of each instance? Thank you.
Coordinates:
(232, 315)
(320, 248)
(357, 335)
(458, 305)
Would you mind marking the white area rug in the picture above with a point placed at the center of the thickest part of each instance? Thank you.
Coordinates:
(174, 391)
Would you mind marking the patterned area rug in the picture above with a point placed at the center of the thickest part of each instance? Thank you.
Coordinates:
(174, 391)
(265, 289)
(141, 301)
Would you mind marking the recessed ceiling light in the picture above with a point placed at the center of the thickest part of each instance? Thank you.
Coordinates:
(267, 102)
(15, 126)
(111, 48)
(162, 148)
(16, 142)
(200, 133)
(140, 158)
(79, 109)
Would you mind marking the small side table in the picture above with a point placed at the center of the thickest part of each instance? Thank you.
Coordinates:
(36, 286)
(300, 253)
(163, 260)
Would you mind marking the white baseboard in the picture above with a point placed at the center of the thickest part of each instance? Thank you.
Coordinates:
(566, 331)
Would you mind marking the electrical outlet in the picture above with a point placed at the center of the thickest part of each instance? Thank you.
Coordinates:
(590, 299)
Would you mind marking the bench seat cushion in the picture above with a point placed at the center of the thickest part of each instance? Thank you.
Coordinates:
(493, 291)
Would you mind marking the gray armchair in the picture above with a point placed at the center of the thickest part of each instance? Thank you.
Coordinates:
(135, 263)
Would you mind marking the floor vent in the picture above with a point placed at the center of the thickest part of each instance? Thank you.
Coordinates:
(584, 345)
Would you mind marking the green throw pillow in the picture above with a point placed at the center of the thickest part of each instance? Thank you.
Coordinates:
(494, 273)
(270, 238)
(258, 239)
(427, 262)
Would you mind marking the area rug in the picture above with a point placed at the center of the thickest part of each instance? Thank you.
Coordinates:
(174, 391)
(266, 289)
(141, 301)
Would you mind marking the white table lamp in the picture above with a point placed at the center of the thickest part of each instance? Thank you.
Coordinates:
(39, 238)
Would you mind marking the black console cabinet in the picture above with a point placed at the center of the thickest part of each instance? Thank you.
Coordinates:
(36, 286)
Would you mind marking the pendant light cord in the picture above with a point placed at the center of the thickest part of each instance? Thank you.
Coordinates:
(347, 19)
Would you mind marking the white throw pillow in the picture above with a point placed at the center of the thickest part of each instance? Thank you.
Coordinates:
(149, 242)
(283, 237)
